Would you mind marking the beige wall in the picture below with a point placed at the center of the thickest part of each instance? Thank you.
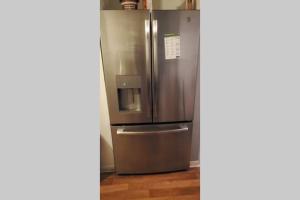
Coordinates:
(171, 4)
(167, 4)
(196, 125)
(106, 150)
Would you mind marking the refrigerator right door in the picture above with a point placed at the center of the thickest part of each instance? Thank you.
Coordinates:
(175, 63)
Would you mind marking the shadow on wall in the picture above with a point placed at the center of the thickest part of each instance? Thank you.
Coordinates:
(109, 4)
(182, 6)
(106, 156)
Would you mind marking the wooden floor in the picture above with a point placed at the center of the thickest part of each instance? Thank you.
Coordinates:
(183, 185)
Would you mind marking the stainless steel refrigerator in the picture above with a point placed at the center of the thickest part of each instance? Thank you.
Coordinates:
(150, 62)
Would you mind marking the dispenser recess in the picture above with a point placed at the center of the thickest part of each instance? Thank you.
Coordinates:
(129, 93)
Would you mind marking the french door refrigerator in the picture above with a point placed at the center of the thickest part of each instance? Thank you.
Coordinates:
(150, 62)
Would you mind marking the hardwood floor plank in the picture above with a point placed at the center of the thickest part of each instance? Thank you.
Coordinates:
(182, 197)
(107, 181)
(166, 184)
(174, 191)
(182, 185)
(143, 180)
(187, 197)
(124, 195)
(113, 188)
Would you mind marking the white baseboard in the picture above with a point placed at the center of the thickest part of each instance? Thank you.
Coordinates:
(111, 168)
(195, 163)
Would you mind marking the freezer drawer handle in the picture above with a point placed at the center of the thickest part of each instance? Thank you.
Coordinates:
(121, 131)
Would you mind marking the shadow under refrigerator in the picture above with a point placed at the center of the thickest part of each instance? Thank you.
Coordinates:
(150, 62)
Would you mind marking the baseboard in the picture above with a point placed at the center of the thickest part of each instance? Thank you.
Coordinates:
(107, 168)
(195, 163)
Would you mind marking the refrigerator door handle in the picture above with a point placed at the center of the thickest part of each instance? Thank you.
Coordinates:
(155, 70)
(148, 61)
(121, 131)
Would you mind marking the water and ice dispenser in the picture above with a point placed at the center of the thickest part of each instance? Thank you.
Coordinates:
(129, 93)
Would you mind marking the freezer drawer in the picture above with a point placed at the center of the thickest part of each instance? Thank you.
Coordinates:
(151, 148)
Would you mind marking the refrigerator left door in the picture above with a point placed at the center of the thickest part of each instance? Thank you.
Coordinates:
(126, 54)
